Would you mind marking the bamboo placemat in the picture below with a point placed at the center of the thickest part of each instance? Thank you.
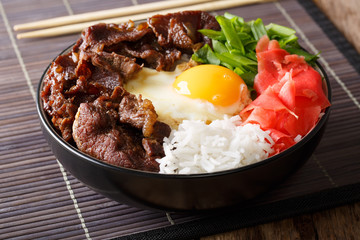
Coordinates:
(39, 199)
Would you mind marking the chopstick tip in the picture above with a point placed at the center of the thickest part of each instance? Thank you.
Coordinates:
(20, 36)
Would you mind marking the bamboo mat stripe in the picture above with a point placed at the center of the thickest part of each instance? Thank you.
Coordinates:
(73, 198)
(68, 7)
(17, 52)
(39, 199)
(32, 91)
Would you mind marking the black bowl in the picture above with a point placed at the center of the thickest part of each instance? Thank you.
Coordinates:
(182, 192)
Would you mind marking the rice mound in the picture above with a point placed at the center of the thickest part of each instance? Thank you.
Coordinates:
(197, 147)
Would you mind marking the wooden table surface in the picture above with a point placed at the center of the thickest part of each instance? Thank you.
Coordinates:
(346, 17)
(338, 223)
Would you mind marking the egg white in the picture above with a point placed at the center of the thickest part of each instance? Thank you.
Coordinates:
(172, 107)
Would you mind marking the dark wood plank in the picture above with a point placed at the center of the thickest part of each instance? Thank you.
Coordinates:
(338, 223)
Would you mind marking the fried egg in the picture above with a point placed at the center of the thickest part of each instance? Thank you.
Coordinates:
(204, 92)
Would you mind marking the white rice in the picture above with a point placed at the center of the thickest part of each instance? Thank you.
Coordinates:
(200, 148)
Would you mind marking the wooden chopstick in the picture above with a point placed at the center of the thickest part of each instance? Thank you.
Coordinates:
(111, 13)
(75, 28)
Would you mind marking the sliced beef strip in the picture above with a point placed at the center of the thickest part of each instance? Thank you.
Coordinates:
(139, 113)
(157, 59)
(97, 132)
(113, 62)
(180, 29)
(153, 148)
(59, 79)
(101, 35)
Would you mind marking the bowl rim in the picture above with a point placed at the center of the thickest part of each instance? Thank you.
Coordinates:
(55, 135)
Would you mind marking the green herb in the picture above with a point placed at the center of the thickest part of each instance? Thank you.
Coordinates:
(234, 45)
(258, 29)
(228, 28)
(217, 35)
(206, 55)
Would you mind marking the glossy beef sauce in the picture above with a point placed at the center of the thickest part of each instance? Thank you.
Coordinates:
(83, 90)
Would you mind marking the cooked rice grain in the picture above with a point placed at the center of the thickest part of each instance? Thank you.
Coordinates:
(200, 148)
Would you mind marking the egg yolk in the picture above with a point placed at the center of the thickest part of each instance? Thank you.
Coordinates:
(215, 84)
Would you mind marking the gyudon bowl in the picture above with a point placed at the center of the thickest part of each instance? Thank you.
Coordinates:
(140, 187)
